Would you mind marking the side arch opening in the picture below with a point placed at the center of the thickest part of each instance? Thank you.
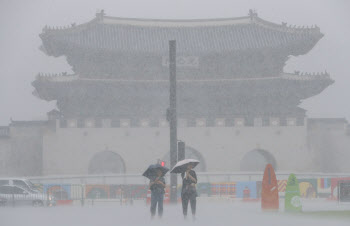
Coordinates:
(106, 162)
(256, 160)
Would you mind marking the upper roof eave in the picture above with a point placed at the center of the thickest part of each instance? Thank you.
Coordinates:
(179, 23)
(63, 77)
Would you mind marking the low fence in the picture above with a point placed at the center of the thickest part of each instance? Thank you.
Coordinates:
(126, 188)
(90, 194)
(202, 177)
(71, 194)
(95, 194)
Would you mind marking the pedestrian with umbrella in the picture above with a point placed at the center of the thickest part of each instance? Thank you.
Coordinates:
(156, 174)
(189, 181)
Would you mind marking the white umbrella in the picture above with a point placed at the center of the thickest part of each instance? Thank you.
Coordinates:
(181, 166)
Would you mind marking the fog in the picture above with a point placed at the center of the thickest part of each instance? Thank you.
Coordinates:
(22, 21)
(85, 163)
(208, 214)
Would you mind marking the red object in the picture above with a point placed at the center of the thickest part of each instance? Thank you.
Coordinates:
(334, 185)
(269, 193)
(148, 199)
(166, 195)
(246, 194)
(322, 183)
(162, 163)
(64, 202)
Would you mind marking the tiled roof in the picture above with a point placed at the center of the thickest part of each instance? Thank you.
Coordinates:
(192, 36)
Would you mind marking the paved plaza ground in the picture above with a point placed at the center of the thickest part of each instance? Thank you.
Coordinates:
(210, 212)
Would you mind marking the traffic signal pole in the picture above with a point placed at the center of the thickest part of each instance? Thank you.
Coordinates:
(172, 119)
(181, 146)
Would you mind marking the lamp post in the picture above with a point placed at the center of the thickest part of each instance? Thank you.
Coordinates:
(171, 115)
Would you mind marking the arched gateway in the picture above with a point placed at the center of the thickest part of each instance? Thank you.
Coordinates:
(232, 80)
(106, 162)
(256, 160)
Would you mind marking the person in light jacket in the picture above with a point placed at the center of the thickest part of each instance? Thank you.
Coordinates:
(189, 192)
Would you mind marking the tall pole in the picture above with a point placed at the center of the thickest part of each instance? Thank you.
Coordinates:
(172, 119)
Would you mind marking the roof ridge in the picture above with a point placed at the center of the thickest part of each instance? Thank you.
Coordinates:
(101, 15)
(142, 22)
(178, 20)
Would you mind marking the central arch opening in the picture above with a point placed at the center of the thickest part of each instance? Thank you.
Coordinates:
(106, 162)
(256, 160)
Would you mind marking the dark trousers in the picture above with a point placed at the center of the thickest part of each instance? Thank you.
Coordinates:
(157, 197)
(185, 200)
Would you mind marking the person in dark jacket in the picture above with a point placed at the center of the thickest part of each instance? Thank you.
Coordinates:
(189, 193)
(157, 185)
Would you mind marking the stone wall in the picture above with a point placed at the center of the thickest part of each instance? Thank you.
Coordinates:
(69, 150)
(318, 145)
(329, 139)
(26, 148)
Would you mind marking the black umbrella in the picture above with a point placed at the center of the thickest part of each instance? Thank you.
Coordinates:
(181, 166)
(151, 172)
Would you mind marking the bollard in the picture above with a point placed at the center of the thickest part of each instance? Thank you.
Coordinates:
(82, 196)
(148, 199)
(292, 200)
(269, 193)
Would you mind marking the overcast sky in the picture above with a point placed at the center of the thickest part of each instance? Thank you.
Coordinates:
(22, 21)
